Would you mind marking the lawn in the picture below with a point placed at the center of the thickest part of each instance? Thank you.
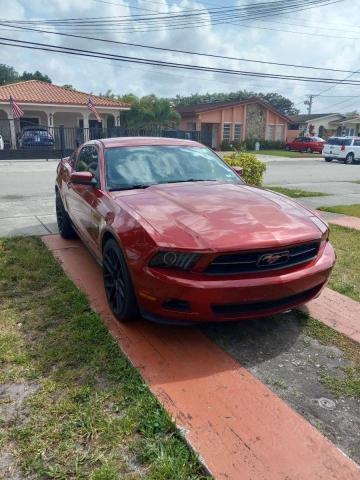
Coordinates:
(73, 406)
(286, 154)
(295, 192)
(346, 274)
(353, 210)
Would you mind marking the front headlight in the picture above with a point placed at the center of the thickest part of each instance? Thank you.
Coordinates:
(182, 261)
(322, 226)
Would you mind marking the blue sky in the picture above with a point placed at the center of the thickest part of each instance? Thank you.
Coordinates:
(327, 37)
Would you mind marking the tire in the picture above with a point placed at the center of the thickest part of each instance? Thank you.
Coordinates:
(349, 159)
(327, 159)
(64, 224)
(308, 150)
(287, 148)
(118, 285)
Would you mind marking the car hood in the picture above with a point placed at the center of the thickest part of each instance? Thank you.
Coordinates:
(218, 216)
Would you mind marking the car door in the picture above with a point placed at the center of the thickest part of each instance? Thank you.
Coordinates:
(297, 145)
(82, 199)
(356, 148)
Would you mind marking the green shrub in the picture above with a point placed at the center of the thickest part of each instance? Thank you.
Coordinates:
(253, 169)
(249, 145)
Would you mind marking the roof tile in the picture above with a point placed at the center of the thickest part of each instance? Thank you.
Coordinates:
(35, 91)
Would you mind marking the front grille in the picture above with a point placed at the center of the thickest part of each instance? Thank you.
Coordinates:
(263, 260)
(243, 308)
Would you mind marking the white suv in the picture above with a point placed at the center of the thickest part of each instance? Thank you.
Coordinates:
(346, 149)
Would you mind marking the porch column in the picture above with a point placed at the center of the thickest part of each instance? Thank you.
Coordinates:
(86, 126)
(117, 119)
(244, 125)
(50, 120)
(12, 129)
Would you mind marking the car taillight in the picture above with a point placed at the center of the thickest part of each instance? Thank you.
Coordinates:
(342, 147)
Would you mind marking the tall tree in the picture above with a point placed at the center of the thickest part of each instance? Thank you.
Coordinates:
(283, 104)
(7, 74)
(10, 75)
(35, 76)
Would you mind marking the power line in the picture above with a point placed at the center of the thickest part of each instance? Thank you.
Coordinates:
(90, 53)
(188, 52)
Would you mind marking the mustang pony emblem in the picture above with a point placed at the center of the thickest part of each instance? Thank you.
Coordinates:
(273, 258)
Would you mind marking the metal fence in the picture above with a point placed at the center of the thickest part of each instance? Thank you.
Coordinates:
(39, 141)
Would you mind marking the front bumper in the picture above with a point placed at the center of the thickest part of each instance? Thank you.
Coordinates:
(211, 299)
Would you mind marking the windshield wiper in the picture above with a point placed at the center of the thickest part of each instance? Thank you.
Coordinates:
(129, 187)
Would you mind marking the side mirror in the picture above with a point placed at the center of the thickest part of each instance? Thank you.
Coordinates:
(238, 170)
(83, 178)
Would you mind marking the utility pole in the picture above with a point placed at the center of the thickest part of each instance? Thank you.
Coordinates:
(309, 103)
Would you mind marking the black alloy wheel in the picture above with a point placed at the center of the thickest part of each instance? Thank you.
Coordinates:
(349, 159)
(118, 284)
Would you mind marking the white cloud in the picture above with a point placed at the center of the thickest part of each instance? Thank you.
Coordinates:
(230, 40)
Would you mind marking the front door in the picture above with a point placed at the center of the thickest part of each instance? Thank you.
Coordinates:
(206, 134)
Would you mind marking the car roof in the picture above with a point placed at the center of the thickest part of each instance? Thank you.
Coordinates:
(145, 141)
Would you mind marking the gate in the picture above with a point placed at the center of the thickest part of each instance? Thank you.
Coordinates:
(43, 142)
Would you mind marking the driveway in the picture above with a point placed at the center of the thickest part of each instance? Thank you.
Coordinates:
(27, 198)
(27, 189)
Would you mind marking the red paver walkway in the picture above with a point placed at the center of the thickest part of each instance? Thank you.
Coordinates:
(337, 311)
(240, 429)
(342, 220)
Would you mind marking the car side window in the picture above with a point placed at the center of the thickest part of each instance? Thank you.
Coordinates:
(88, 161)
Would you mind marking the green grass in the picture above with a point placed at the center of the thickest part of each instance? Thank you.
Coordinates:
(90, 415)
(352, 210)
(295, 192)
(345, 277)
(347, 383)
(286, 154)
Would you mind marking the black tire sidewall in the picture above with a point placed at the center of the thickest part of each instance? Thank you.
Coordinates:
(67, 230)
(349, 156)
(130, 309)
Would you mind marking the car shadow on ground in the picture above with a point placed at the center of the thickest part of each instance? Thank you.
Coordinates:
(253, 341)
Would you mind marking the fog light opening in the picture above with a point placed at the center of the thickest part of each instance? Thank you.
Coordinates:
(176, 304)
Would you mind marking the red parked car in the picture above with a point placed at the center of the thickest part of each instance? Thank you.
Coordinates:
(306, 144)
(182, 238)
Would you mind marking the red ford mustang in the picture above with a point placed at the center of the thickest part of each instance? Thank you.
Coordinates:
(182, 238)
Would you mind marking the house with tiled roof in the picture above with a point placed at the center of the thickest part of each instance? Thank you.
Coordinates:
(53, 106)
(234, 121)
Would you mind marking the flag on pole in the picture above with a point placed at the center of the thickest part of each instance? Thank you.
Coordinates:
(16, 110)
(91, 107)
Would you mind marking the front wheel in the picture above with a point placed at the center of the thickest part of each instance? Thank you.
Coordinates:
(287, 148)
(308, 150)
(118, 285)
(328, 159)
(64, 224)
(349, 159)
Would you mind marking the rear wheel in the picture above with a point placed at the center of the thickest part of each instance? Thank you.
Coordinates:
(349, 159)
(64, 224)
(287, 148)
(118, 284)
(328, 159)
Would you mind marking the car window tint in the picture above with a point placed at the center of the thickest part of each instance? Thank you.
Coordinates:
(339, 141)
(357, 143)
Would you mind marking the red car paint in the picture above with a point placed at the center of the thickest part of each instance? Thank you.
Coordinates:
(210, 218)
(306, 144)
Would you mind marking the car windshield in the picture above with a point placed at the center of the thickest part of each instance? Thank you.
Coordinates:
(41, 133)
(339, 141)
(135, 167)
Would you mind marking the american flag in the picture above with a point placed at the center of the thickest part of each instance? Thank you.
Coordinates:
(91, 107)
(16, 110)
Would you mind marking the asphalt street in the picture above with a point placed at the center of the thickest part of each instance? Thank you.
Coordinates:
(27, 189)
